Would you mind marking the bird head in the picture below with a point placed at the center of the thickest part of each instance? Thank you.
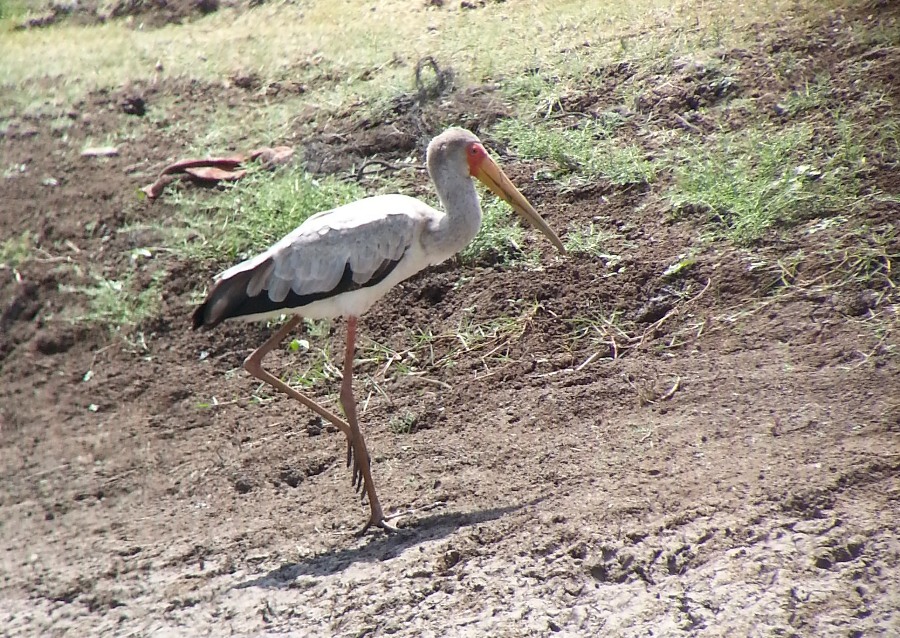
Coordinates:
(467, 150)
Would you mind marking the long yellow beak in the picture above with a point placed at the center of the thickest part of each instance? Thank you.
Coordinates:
(492, 176)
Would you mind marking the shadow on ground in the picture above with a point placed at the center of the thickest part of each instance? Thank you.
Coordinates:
(381, 548)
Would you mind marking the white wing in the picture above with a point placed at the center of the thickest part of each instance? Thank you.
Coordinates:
(331, 252)
(364, 236)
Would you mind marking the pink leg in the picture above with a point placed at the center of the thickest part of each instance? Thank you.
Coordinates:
(253, 365)
(355, 439)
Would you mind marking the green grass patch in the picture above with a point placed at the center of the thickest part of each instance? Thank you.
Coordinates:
(12, 10)
(812, 95)
(339, 44)
(269, 123)
(15, 250)
(116, 303)
(752, 180)
(588, 151)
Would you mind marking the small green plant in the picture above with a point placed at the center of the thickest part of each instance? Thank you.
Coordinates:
(316, 364)
(387, 359)
(812, 95)
(404, 423)
(587, 240)
(15, 250)
(115, 303)
(318, 370)
(599, 328)
(748, 182)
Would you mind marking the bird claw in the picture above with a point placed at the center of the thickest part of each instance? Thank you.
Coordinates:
(356, 477)
(358, 481)
(381, 522)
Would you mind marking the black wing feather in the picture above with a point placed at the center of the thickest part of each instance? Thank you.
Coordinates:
(228, 299)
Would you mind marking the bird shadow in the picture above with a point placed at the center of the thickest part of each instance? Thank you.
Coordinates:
(380, 548)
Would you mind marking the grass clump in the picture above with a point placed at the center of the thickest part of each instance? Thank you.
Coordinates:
(587, 240)
(15, 250)
(750, 181)
(403, 424)
(589, 151)
(811, 96)
(12, 9)
(115, 303)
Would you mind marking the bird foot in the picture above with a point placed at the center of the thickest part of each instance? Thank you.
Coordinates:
(380, 522)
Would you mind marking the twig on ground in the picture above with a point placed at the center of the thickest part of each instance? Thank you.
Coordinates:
(388, 166)
(671, 392)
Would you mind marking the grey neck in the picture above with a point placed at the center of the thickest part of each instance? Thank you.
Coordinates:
(462, 218)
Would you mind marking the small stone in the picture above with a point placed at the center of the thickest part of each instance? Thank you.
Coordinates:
(134, 105)
(449, 559)
(243, 485)
(100, 151)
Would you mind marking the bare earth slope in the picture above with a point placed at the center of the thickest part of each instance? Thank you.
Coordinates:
(725, 464)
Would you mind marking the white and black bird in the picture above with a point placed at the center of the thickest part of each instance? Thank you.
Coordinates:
(339, 262)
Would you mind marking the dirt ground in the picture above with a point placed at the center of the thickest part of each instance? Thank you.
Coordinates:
(725, 465)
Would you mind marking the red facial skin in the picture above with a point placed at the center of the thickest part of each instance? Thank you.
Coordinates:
(475, 154)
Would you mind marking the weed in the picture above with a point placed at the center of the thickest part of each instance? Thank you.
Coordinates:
(15, 250)
(601, 330)
(588, 151)
(588, 240)
(749, 182)
(401, 363)
(315, 363)
(811, 96)
(114, 302)
(318, 370)
(403, 424)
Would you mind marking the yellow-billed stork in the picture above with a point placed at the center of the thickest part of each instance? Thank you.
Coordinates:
(339, 262)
